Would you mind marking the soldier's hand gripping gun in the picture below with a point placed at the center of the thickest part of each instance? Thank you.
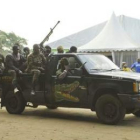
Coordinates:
(47, 37)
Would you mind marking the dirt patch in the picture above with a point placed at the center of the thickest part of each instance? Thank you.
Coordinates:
(64, 124)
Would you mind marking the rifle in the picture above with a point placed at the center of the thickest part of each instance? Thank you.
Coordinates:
(48, 35)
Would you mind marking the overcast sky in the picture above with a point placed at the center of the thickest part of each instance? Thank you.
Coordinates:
(32, 19)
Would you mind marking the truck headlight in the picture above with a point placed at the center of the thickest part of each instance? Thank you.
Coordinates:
(139, 86)
(136, 87)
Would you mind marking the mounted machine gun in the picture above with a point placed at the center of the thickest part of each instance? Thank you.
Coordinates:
(47, 37)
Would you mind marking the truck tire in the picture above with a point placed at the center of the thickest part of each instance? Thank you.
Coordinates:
(15, 103)
(137, 113)
(109, 109)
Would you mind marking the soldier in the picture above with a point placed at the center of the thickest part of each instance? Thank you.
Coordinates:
(64, 69)
(47, 51)
(25, 55)
(62, 89)
(35, 63)
(73, 49)
(60, 49)
(26, 51)
(13, 65)
(72, 61)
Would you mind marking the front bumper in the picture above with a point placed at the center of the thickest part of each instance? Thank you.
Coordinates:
(130, 101)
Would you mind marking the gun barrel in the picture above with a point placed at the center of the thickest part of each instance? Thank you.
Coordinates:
(48, 35)
(56, 25)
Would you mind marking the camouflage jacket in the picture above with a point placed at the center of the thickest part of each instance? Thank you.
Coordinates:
(35, 61)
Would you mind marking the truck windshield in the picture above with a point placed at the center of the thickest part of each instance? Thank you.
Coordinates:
(97, 63)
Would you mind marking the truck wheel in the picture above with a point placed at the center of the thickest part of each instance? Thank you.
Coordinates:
(109, 109)
(51, 106)
(137, 113)
(15, 103)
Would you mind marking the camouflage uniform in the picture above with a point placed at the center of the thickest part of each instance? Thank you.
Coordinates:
(35, 65)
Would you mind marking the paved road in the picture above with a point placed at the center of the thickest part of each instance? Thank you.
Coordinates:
(64, 124)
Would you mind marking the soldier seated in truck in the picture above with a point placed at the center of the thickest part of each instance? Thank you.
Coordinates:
(14, 63)
(63, 88)
(64, 69)
(35, 63)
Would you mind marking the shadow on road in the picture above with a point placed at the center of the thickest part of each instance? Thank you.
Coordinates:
(68, 114)
(63, 113)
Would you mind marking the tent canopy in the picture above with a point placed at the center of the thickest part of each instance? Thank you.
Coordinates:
(112, 38)
(130, 25)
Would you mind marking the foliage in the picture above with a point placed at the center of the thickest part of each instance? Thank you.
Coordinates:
(7, 40)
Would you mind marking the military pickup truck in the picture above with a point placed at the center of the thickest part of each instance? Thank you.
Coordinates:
(95, 83)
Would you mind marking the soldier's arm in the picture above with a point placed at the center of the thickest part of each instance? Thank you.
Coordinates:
(61, 75)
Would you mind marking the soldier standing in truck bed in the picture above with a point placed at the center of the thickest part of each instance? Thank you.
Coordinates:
(35, 63)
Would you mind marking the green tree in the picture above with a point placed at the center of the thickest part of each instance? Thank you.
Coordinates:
(7, 40)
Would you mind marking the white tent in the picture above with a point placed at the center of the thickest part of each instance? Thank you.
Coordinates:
(112, 38)
(130, 25)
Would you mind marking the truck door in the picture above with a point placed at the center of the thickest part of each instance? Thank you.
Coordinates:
(72, 90)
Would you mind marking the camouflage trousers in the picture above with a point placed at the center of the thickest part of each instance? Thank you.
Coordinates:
(36, 73)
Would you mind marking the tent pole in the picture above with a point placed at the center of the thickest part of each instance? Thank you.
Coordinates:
(138, 53)
(121, 59)
(113, 57)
